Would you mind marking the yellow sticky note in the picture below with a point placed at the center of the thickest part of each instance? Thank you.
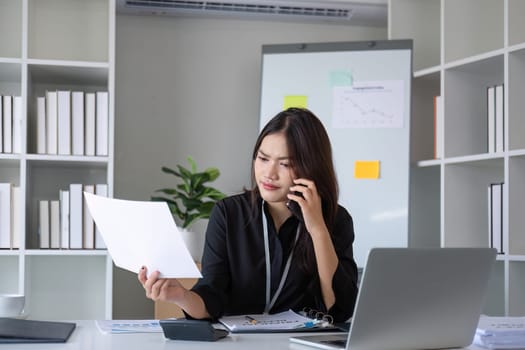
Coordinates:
(366, 169)
(295, 101)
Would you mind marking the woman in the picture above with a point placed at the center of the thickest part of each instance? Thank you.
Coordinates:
(258, 257)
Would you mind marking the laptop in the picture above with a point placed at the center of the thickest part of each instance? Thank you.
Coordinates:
(415, 298)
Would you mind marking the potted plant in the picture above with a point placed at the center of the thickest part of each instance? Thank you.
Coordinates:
(191, 200)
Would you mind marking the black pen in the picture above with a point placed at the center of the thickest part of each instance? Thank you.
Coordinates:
(251, 319)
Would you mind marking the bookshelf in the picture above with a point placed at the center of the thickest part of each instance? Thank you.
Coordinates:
(56, 45)
(461, 47)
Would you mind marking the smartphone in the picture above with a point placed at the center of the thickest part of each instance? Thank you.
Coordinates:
(295, 208)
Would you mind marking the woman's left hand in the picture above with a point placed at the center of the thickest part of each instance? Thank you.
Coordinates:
(325, 255)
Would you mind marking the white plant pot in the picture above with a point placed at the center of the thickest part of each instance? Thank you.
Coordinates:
(194, 242)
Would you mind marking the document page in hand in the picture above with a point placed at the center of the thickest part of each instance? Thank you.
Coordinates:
(140, 233)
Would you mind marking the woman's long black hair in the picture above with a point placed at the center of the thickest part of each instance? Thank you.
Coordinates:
(310, 155)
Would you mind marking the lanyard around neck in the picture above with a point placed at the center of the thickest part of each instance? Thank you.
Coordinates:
(270, 301)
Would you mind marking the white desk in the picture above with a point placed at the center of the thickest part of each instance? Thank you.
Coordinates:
(87, 336)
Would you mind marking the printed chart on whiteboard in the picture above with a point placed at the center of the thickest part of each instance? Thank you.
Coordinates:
(373, 104)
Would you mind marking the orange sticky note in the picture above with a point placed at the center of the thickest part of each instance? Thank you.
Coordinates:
(366, 169)
(295, 101)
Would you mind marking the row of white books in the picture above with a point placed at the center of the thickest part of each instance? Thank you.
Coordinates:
(495, 119)
(66, 223)
(10, 124)
(10, 216)
(495, 214)
(73, 123)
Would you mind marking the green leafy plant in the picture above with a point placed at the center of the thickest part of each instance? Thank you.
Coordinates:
(192, 199)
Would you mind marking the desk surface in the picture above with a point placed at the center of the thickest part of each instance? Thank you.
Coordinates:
(87, 336)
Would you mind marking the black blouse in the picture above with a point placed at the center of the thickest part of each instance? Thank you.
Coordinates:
(234, 268)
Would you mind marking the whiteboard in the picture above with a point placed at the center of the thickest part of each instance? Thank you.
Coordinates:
(361, 92)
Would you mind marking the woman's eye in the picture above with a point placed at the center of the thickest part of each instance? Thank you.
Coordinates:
(263, 159)
(285, 165)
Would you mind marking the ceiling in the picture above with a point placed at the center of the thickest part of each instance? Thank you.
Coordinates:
(363, 12)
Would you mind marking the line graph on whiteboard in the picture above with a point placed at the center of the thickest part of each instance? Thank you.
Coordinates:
(371, 104)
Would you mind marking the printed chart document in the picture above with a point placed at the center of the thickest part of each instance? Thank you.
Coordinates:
(128, 326)
(140, 234)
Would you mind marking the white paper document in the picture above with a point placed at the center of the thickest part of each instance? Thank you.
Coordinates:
(128, 326)
(140, 233)
(500, 332)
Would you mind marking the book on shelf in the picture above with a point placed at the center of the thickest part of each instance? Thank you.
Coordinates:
(8, 123)
(51, 122)
(5, 215)
(89, 224)
(491, 119)
(102, 123)
(41, 138)
(64, 121)
(17, 124)
(54, 224)
(438, 127)
(499, 119)
(16, 217)
(1, 125)
(101, 190)
(75, 216)
(495, 119)
(43, 224)
(90, 120)
(495, 216)
(77, 121)
(64, 219)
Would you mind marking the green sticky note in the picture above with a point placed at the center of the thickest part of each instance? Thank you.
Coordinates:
(341, 78)
(295, 101)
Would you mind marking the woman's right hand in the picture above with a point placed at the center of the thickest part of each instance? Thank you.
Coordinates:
(163, 289)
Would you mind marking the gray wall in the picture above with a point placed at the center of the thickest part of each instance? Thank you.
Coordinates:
(190, 86)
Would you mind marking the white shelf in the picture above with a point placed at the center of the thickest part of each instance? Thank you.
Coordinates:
(56, 45)
(80, 34)
(487, 158)
(58, 160)
(516, 102)
(10, 22)
(457, 56)
(63, 287)
(423, 29)
(471, 27)
(66, 252)
(516, 24)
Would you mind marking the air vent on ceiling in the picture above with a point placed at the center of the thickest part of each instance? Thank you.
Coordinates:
(321, 10)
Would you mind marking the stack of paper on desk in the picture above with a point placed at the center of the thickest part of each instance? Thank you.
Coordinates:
(501, 332)
(142, 234)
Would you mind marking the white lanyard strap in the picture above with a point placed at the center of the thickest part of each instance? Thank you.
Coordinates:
(270, 303)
